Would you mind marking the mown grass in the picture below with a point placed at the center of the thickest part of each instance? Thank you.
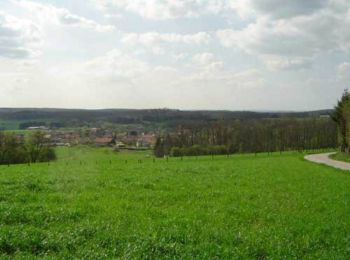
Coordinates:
(93, 203)
(345, 157)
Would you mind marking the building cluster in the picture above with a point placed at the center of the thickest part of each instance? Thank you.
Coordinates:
(99, 137)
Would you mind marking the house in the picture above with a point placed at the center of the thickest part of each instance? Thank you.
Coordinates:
(120, 145)
(37, 128)
(129, 140)
(104, 141)
(146, 140)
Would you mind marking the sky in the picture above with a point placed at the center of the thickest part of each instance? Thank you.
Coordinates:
(186, 54)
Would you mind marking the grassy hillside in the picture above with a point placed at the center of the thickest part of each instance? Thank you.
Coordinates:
(94, 204)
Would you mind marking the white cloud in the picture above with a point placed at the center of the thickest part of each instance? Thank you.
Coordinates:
(207, 65)
(204, 58)
(343, 71)
(47, 13)
(209, 53)
(19, 38)
(292, 42)
(286, 9)
(160, 43)
(243, 80)
(116, 64)
(166, 9)
(155, 38)
(172, 9)
(287, 63)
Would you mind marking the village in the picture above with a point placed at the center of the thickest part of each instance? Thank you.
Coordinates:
(98, 137)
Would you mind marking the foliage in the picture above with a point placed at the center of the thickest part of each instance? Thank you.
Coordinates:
(11, 150)
(38, 148)
(244, 207)
(14, 149)
(159, 147)
(249, 136)
(341, 116)
(151, 119)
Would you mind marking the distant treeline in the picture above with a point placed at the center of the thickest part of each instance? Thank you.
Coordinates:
(248, 136)
(15, 149)
(169, 118)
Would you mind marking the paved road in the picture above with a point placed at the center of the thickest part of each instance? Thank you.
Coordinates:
(324, 159)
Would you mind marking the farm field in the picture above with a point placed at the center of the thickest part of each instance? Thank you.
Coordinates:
(94, 203)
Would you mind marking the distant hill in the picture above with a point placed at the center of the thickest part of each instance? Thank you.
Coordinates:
(74, 117)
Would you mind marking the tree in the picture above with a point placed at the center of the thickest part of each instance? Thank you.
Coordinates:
(36, 145)
(159, 147)
(250, 136)
(14, 150)
(341, 116)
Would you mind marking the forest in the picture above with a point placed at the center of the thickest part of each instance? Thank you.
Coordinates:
(248, 136)
(154, 118)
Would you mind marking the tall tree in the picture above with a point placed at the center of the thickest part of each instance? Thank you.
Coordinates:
(35, 145)
(341, 117)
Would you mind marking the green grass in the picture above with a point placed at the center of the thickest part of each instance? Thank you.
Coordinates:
(345, 157)
(9, 124)
(91, 203)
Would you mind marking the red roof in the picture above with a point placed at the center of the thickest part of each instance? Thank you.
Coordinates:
(104, 140)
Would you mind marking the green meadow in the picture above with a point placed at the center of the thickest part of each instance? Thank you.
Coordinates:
(341, 157)
(95, 204)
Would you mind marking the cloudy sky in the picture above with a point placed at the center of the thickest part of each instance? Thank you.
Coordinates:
(187, 54)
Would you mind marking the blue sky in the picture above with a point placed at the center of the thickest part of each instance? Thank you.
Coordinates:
(187, 54)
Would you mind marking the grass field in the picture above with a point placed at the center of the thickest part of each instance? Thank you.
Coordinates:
(9, 124)
(91, 203)
(341, 157)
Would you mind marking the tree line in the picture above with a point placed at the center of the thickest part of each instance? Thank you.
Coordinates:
(248, 136)
(31, 149)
